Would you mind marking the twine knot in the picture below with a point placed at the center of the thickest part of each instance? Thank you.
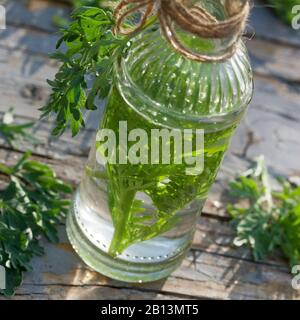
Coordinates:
(190, 17)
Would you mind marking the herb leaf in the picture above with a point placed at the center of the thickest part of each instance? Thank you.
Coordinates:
(31, 204)
(91, 49)
(271, 220)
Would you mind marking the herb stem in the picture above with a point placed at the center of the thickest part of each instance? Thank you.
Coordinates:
(122, 216)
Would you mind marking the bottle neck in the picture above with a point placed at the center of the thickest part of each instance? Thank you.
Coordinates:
(212, 47)
(161, 84)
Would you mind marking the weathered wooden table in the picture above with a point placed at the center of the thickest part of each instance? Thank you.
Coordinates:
(213, 268)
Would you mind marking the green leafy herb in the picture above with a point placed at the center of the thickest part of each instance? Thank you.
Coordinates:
(31, 204)
(167, 187)
(91, 49)
(270, 220)
(13, 133)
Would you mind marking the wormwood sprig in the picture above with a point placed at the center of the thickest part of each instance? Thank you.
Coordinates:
(90, 49)
(31, 204)
(271, 220)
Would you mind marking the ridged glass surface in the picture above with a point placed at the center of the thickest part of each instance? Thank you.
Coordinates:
(187, 87)
(135, 222)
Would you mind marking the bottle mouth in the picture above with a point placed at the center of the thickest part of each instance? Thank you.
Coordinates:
(186, 23)
(213, 47)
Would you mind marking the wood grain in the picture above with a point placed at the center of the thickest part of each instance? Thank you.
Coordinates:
(202, 275)
(214, 269)
(265, 25)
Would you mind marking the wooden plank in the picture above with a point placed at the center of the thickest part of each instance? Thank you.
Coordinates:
(202, 274)
(23, 84)
(37, 14)
(266, 25)
(273, 60)
(273, 124)
(88, 292)
(216, 237)
(28, 40)
(273, 102)
(31, 68)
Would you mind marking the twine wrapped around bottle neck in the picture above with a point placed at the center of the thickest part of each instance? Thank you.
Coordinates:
(190, 18)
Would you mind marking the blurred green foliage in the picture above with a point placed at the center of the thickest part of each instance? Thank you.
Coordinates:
(284, 9)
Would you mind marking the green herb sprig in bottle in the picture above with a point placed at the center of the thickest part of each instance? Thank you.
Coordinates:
(173, 67)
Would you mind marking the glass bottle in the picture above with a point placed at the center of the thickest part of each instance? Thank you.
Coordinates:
(135, 222)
